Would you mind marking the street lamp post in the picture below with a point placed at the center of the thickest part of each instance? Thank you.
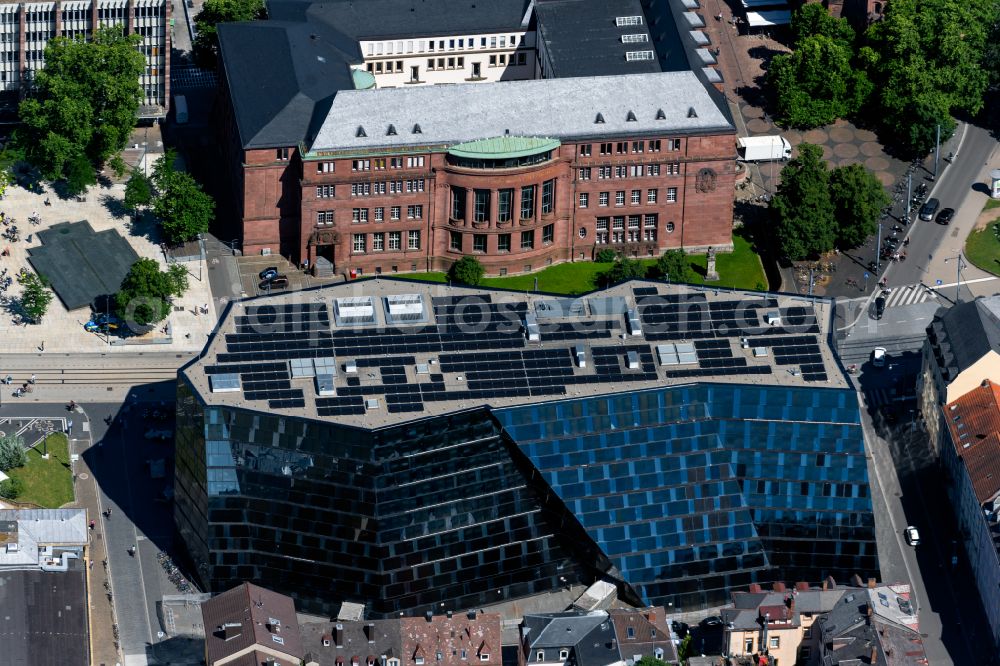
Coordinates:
(959, 265)
(878, 249)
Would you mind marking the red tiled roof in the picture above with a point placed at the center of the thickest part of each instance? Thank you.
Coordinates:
(974, 423)
(775, 613)
(249, 610)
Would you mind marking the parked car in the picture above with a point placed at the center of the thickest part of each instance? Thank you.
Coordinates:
(162, 435)
(277, 282)
(878, 357)
(879, 307)
(103, 323)
(912, 536)
(680, 628)
(268, 273)
(711, 622)
(945, 216)
(929, 208)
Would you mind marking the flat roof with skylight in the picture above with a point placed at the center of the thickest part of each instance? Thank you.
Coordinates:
(379, 352)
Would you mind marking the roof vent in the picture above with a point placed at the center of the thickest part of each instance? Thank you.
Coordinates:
(391, 131)
(506, 132)
(417, 130)
(599, 119)
(630, 117)
(660, 115)
(314, 36)
(692, 113)
(361, 132)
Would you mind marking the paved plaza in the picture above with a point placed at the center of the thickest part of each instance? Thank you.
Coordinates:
(62, 330)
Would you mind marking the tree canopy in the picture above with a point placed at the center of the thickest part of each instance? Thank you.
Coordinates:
(214, 12)
(802, 210)
(674, 266)
(858, 199)
(12, 452)
(35, 297)
(817, 83)
(144, 296)
(931, 57)
(814, 19)
(138, 191)
(83, 104)
(816, 209)
(623, 269)
(467, 270)
(183, 208)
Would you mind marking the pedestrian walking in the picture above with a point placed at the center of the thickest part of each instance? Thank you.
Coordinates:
(32, 379)
(41, 347)
(92, 524)
(91, 565)
(131, 551)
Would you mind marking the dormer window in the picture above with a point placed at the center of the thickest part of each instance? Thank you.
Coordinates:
(630, 632)
(326, 642)
(419, 661)
(484, 657)
(564, 654)
(540, 656)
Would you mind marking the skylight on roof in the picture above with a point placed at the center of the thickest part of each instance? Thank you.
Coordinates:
(354, 310)
(635, 38)
(622, 21)
(633, 56)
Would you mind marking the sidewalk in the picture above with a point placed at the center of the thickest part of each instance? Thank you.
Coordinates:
(943, 265)
(103, 644)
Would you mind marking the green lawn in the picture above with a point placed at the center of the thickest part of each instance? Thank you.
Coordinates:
(991, 203)
(982, 248)
(740, 269)
(47, 483)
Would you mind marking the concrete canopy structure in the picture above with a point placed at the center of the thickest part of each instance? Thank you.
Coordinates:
(82, 265)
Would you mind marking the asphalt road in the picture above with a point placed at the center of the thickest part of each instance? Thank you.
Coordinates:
(139, 517)
(908, 489)
(956, 182)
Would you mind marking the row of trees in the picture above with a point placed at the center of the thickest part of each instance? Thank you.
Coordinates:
(816, 210)
(674, 265)
(925, 60)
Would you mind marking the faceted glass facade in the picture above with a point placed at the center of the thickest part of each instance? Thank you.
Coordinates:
(404, 518)
(692, 491)
(682, 493)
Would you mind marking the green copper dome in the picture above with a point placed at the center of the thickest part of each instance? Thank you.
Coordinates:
(504, 147)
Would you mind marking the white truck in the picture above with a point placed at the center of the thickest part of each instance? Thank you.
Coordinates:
(763, 148)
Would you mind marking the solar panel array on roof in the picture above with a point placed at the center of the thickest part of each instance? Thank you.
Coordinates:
(477, 350)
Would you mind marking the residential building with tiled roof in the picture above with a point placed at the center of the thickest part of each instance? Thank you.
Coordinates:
(971, 456)
(596, 638)
(828, 625)
(962, 349)
(250, 625)
(643, 633)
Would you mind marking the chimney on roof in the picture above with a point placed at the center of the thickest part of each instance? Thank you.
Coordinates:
(871, 583)
(826, 584)
(754, 588)
(338, 635)
(802, 586)
(472, 615)
(856, 581)
(874, 656)
(832, 583)
(779, 587)
(370, 632)
(429, 616)
(869, 610)
(449, 615)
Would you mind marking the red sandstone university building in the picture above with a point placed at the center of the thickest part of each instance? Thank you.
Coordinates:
(521, 173)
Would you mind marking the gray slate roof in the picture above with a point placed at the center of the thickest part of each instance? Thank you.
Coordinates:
(376, 19)
(563, 108)
(44, 619)
(971, 330)
(581, 38)
(590, 637)
(282, 77)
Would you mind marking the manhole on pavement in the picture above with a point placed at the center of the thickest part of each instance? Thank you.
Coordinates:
(83, 475)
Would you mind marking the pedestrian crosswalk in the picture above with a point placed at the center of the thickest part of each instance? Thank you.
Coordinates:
(908, 295)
